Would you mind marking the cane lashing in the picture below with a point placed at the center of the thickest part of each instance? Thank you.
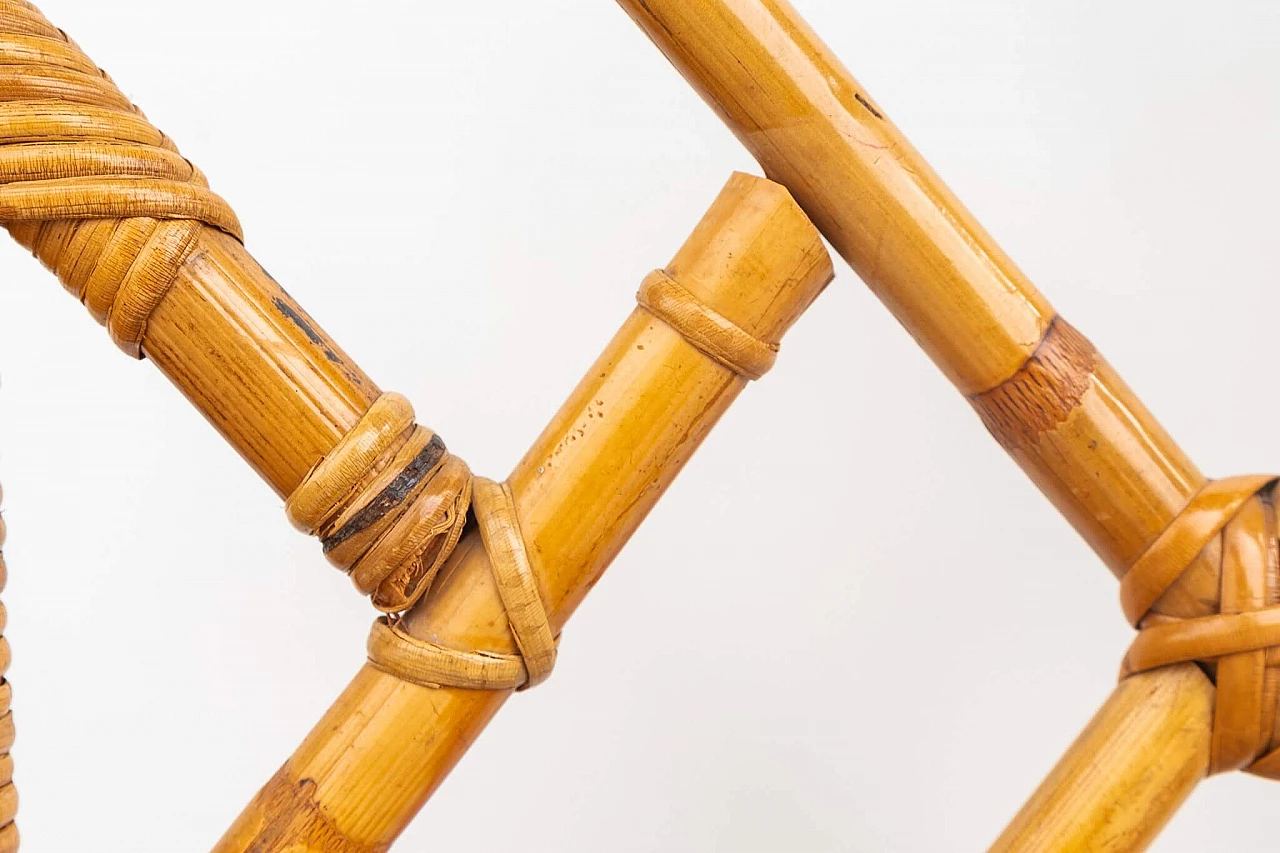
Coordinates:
(711, 332)
(101, 196)
(389, 503)
(8, 793)
(1232, 522)
(394, 651)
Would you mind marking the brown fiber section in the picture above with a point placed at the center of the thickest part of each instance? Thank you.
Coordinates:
(1043, 392)
(293, 820)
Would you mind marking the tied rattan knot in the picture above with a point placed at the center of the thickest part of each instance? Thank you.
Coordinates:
(394, 651)
(705, 328)
(1231, 524)
(389, 504)
(96, 192)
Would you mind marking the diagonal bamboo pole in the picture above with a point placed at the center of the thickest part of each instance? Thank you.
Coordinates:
(1128, 771)
(580, 492)
(1041, 388)
(132, 230)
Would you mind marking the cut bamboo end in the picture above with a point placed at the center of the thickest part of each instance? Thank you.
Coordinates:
(650, 399)
(814, 129)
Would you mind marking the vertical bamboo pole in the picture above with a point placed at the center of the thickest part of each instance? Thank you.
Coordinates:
(580, 492)
(1040, 387)
(8, 792)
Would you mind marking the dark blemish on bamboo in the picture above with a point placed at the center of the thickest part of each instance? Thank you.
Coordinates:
(393, 495)
(1044, 391)
(307, 329)
(291, 810)
(875, 112)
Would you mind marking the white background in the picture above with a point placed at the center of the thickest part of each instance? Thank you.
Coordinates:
(878, 640)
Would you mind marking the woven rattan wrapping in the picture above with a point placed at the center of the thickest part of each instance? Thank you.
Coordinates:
(389, 502)
(101, 196)
(8, 793)
(1231, 524)
(393, 651)
(707, 329)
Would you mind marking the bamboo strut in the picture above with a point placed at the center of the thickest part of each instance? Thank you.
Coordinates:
(133, 231)
(582, 489)
(1127, 773)
(1041, 388)
(8, 793)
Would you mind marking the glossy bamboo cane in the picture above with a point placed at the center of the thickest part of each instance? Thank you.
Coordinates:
(582, 489)
(1042, 389)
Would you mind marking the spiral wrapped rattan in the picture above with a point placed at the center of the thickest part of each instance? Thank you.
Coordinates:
(8, 793)
(100, 195)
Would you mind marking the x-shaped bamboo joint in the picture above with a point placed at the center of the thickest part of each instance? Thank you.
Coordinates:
(132, 230)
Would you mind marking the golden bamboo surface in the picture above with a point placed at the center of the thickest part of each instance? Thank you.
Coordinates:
(580, 492)
(1042, 390)
(1128, 771)
(133, 231)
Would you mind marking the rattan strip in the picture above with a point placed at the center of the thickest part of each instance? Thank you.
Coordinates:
(714, 334)
(335, 480)
(389, 503)
(428, 664)
(1232, 521)
(343, 479)
(88, 184)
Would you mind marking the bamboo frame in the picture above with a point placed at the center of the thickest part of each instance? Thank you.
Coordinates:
(1040, 387)
(651, 397)
(188, 297)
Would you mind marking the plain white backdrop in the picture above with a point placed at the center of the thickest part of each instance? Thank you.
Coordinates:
(879, 639)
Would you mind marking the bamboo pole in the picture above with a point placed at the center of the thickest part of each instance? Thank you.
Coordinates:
(1128, 771)
(1040, 387)
(580, 492)
(284, 394)
(252, 361)
(132, 230)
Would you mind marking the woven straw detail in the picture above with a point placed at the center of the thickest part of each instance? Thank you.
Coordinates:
(99, 195)
(711, 332)
(8, 793)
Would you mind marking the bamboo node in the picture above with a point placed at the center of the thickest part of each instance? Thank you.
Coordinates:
(1231, 525)
(96, 192)
(394, 651)
(717, 336)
